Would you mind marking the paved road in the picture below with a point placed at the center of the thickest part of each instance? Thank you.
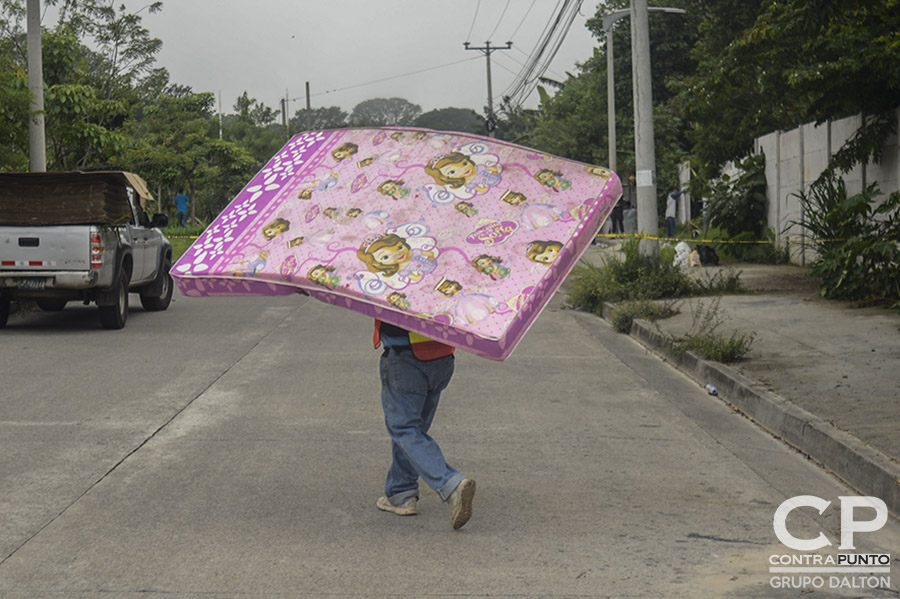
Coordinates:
(234, 447)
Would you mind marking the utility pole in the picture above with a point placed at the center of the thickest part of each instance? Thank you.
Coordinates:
(644, 147)
(285, 102)
(37, 145)
(487, 49)
(308, 109)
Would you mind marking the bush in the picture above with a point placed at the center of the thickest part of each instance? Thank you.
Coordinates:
(638, 277)
(857, 241)
(738, 204)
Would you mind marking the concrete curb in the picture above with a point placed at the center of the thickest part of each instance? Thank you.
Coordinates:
(862, 467)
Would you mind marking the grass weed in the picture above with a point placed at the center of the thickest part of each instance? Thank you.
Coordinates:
(705, 340)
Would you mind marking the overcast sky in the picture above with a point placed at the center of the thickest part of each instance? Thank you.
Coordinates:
(269, 47)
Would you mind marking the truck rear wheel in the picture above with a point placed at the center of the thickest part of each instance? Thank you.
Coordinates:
(115, 316)
(158, 294)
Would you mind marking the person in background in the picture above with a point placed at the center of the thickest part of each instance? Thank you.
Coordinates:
(182, 201)
(617, 217)
(414, 372)
(671, 211)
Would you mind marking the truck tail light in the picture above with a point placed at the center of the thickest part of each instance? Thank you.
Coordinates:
(96, 250)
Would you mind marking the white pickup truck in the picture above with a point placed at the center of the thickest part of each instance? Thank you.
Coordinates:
(81, 236)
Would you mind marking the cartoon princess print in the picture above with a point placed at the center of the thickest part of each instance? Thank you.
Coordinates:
(353, 213)
(277, 227)
(324, 276)
(466, 208)
(465, 172)
(390, 255)
(539, 215)
(254, 267)
(393, 188)
(513, 198)
(448, 287)
(543, 252)
(344, 151)
(475, 307)
(398, 300)
(598, 171)
(331, 212)
(296, 242)
(317, 185)
(491, 266)
(552, 179)
(457, 170)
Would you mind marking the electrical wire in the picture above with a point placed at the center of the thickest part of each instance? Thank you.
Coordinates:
(474, 18)
(519, 26)
(500, 20)
(354, 86)
(543, 54)
(517, 85)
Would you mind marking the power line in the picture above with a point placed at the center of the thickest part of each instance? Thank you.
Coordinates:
(340, 89)
(544, 53)
(474, 18)
(519, 26)
(522, 52)
(500, 20)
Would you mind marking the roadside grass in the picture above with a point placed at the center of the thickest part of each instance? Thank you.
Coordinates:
(706, 341)
(622, 315)
(641, 288)
(181, 238)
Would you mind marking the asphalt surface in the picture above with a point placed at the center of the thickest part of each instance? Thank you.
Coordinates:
(234, 447)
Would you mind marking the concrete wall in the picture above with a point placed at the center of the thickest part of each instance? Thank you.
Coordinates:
(796, 158)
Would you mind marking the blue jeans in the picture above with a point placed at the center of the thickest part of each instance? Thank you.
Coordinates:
(182, 219)
(410, 391)
(670, 227)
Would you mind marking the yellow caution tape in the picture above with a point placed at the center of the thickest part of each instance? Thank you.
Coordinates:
(695, 240)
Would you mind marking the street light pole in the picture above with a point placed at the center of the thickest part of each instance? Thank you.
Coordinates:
(610, 19)
(487, 49)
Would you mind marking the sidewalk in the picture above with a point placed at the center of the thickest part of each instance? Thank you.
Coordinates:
(821, 375)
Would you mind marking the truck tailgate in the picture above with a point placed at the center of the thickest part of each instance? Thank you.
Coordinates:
(34, 248)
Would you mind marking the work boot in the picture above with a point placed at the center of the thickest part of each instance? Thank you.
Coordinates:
(461, 503)
(407, 508)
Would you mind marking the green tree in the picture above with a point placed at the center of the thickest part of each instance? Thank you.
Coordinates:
(787, 63)
(14, 110)
(385, 112)
(253, 111)
(175, 144)
(89, 93)
(316, 119)
(451, 119)
(572, 122)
